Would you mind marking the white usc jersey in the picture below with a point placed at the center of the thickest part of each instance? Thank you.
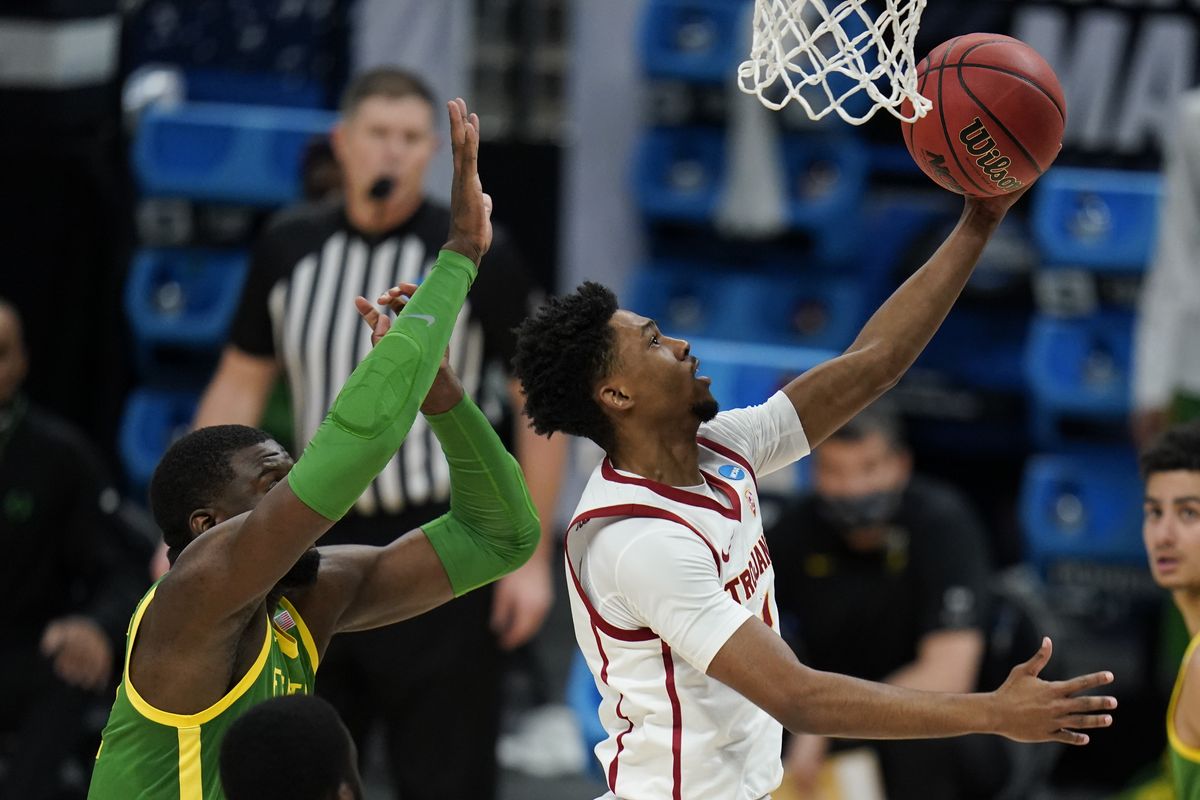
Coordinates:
(659, 578)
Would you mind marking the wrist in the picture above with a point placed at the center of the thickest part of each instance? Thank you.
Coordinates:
(443, 397)
(464, 248)
(983, 216)
(986, 713)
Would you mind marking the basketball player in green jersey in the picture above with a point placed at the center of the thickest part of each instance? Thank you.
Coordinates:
(1171, 531)
(249, 605)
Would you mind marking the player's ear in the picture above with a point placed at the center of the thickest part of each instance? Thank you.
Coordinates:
(612, 397)
(201, 520)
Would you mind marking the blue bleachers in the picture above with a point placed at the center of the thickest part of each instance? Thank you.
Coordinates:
(679, 173)
(183, 297)
(692, 40)
(1082, 507)
(1098, 219)
(153, 419)
(218, 152)
(1079, 368)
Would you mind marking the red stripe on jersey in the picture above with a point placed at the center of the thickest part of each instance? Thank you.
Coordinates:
(721, 449)
(612, 768)
(767, 611)
(624, 634)
(609, 473)
(632, 510)
(676, 724)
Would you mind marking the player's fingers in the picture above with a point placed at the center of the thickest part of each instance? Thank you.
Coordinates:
(366, 311)
(1083, 721)
(1070, 737)
(1088, 704)
(1085, 682)
(1035, 665)
(487, 205)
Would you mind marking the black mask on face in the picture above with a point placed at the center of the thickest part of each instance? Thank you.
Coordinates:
(863, 511)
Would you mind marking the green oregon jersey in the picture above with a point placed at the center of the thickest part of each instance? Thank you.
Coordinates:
(1185, 760)
(150, 754)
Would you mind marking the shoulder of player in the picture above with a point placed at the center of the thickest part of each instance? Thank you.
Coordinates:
(647, 540)
(1187, 709)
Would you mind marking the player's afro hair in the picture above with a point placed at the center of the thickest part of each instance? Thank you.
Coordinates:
(287, 748)
(1177, 448)
(191, 474)
(562, 351)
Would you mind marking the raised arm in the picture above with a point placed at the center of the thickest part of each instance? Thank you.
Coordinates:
(237, 563)
(491, 529)
(829, 395)
(757, 663)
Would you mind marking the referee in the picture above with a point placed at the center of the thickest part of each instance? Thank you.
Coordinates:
(434, 680)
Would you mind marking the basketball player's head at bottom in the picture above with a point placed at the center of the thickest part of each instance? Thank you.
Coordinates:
(1171, 507)
(290, 748)
(592, 369)
(214, 474)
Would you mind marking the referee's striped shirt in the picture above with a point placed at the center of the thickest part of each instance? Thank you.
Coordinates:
(298, 307)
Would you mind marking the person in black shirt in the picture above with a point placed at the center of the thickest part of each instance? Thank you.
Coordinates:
(434, 680)
(883, 575)
(70, 580)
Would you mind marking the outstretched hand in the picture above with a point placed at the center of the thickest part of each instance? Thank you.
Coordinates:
(470, 207)
(1033, 710)
(446, 390)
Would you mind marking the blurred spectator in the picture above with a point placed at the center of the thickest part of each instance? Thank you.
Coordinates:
(442, 676)
(70, 579)
(882, 575)
(290, 748)
(1166, 380)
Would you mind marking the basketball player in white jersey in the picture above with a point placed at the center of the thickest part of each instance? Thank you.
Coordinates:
(669, 575)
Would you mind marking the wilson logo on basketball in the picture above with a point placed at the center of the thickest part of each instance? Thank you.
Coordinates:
(982, 147)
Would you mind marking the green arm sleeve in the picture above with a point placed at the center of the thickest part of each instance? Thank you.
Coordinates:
(492, 527)
(379, 401)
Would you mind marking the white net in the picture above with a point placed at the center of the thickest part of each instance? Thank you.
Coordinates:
(835, 57)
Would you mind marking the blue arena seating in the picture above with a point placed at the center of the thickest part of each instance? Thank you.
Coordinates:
(821, 311)
(1102, 220)
(1079, 368)
(1083, 506)
(218, 152)
(153, 419)
(182, 299)
(692, 40)
(679, 173)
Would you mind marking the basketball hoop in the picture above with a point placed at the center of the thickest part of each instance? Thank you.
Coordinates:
(835, 57)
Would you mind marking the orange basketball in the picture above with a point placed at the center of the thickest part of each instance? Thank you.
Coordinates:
(997, 118)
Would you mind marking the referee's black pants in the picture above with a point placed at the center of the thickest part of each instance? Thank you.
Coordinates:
(431, 684)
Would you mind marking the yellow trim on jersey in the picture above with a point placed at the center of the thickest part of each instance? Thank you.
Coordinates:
(1187, 751)
(285, 641)
(200, 717)
(305, 636)
(191, 776)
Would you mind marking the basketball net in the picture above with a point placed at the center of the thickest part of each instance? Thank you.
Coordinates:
(835, 57)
